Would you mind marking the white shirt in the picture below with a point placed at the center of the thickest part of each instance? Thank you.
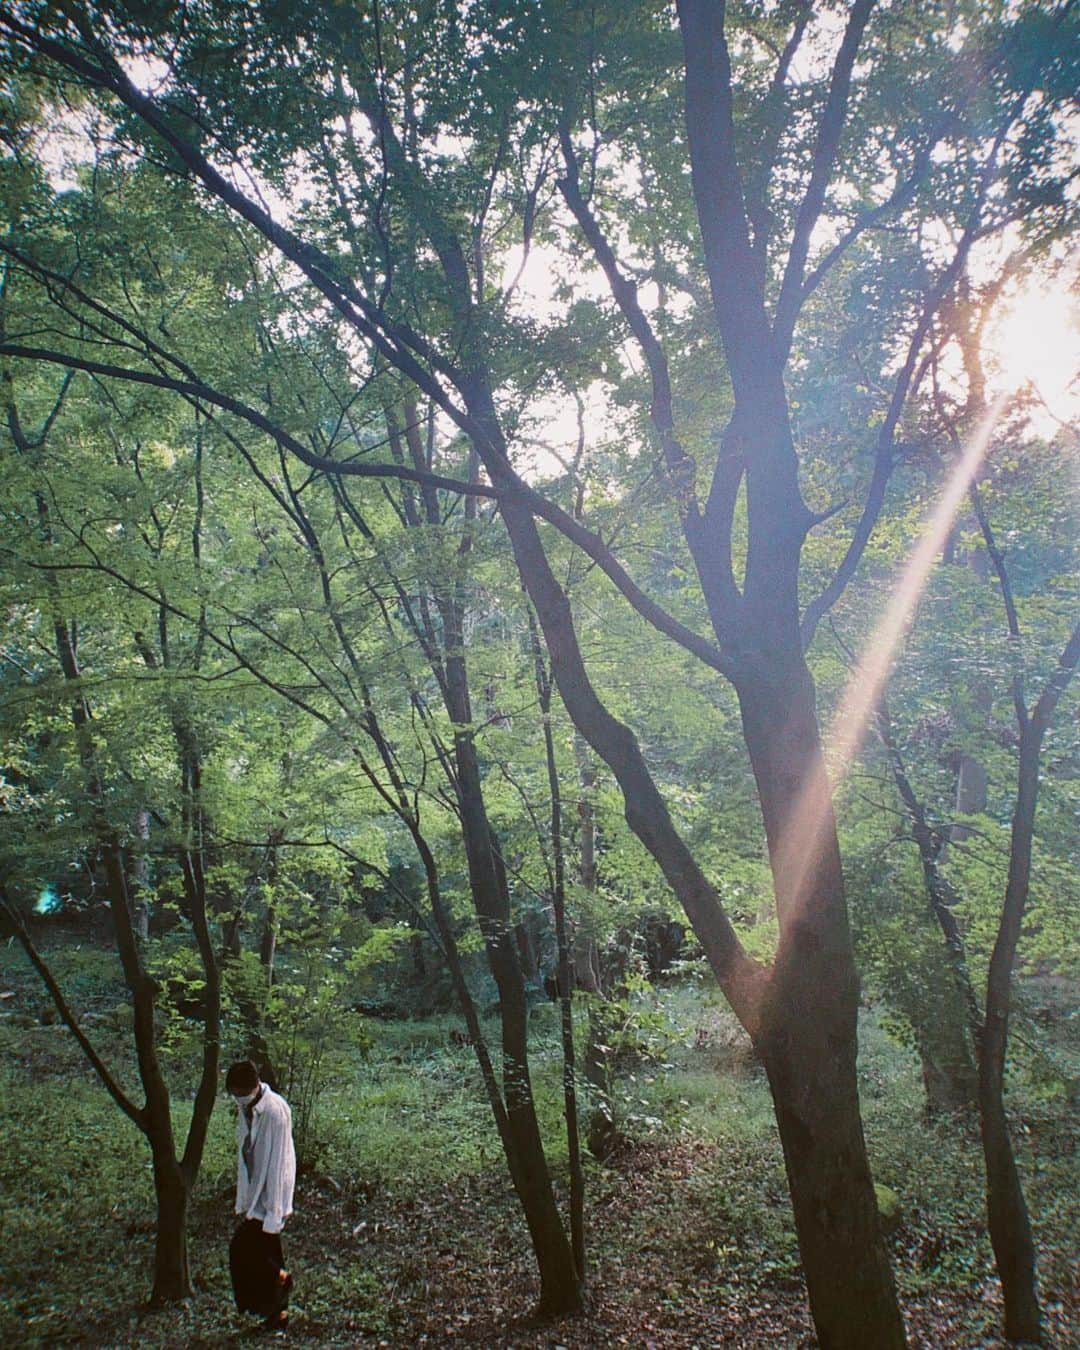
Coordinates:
(268, 1193)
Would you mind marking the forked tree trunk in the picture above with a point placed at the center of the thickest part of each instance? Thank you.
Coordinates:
(171, 1275)
(803, 1019)
(558, 1291)
(564, 978)
(172, 1177)
(560, 1282)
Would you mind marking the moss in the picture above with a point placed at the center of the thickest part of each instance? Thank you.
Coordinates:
(890, 1210)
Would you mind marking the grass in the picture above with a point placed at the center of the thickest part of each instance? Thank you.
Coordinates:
(408, 1218)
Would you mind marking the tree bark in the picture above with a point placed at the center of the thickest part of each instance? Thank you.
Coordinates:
(949, 1070)
(803, 1019)
(1007, 1213)
(809, 1055)
(560, 1283)
(565, 968)
(560, 1290)
(808, 1036)
(601, 1131)
(172, 1277)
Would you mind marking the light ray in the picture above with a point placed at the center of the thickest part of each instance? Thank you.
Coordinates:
(804, 837)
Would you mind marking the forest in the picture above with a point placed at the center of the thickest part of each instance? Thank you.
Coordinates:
(539, 552)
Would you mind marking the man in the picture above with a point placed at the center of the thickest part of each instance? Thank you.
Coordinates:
(265, 1176)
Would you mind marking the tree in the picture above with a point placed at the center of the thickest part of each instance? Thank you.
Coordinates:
(367, 108)
(1008, 1219)
(103, 806)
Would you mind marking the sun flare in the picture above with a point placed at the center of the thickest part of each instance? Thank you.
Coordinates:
(1035, 339)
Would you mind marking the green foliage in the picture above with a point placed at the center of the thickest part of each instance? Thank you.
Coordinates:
(312, 1035)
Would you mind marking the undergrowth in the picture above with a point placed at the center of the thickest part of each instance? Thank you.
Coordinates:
(404, 1144)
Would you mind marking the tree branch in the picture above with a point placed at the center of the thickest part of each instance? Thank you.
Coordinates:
(828, 141)
(202, 392)
(123, 1101)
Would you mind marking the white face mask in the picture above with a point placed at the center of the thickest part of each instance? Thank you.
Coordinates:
(245, 1101)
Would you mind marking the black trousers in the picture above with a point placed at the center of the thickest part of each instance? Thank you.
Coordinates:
(255, 1261)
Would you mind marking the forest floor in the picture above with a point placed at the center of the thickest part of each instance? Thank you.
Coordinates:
(654, 1284)
(406, 1231)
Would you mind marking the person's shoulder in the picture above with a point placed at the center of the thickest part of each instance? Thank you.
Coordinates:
(275, 1103)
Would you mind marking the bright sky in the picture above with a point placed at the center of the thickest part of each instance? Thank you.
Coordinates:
(1035, 337)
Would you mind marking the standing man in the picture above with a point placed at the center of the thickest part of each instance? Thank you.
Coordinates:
(265, 1176)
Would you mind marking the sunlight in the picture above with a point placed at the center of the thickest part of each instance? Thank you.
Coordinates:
(1035, 339)
(804, 836)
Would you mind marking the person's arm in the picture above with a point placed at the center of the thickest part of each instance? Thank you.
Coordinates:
(273, 1170)
(261, 1164)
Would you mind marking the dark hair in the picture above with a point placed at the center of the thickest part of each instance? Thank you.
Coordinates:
(242, 1078)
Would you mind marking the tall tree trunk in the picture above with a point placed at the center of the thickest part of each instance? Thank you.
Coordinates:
(809, 1054)
(803, 1017)
(1007, 1213)
(564, 979)
(560, 1284)
(808, 1036)
(949, 1069)
(171, 1274)
(172, 1277)
(560, 1290)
